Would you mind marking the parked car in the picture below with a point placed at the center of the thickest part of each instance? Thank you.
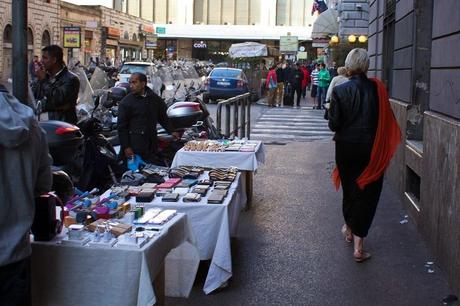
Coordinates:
(224, 83)
(149, 69)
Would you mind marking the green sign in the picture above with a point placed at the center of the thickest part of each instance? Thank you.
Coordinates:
(289, 44)
(160, 30)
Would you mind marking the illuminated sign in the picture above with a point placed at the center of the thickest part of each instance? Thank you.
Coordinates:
(200, 45)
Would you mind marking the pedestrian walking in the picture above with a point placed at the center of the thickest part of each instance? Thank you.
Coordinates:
(337, 80)
(314, 83)
(366, 137)
(25, 172)
(295, 79)
(305, 80)
(281, 78)
(333, 71)
(271, 85)
(57, 87)
(323, 83)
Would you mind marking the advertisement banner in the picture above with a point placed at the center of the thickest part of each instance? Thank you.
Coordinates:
(72, 37)
(151, 42)
(302, 55)
(289, 44)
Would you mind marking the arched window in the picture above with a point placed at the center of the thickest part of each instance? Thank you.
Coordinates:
(46, 38)
(126, 35)
(8, 34)
(134, 37)
(30, 37)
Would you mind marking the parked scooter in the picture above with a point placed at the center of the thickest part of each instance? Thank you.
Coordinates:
(83, 152)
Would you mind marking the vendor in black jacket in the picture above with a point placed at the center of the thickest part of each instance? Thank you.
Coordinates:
(57, 87)
(138, 115)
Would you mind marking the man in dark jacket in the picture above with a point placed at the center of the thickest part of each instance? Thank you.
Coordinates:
(57, 86)
(138, 115)
(295, 78)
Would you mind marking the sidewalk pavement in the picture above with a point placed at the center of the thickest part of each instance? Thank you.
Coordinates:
(289, 249)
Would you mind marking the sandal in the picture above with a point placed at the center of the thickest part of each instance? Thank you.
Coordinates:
(361, 256)
(348, 235)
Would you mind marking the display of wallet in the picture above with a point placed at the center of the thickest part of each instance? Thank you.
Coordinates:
(205, 182)
(163, 191)
(222, 185)
(192, 197)
(216, 198)
(169, 183)
(146, 195)
(170, 197)
(116, 228)
(223, 192)
(187, 183)
(201, 191)
(181, 190)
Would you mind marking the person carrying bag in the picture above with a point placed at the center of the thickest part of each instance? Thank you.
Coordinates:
(271, 83)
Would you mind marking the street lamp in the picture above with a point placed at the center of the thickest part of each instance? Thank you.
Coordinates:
(362, 39)
(352, 39)
(335, 39)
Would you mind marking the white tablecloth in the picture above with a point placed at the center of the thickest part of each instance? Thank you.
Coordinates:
(212, 225)
(76, 275)
(248, 161)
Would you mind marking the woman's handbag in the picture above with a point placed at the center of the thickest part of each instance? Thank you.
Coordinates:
(271, 84)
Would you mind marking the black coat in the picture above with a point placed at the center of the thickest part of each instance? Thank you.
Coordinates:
(59, 96)
(137, 123)
(280, 75)
(353, 112)
(295, 77)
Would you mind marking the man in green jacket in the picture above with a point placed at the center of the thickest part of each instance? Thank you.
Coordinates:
(323, 82)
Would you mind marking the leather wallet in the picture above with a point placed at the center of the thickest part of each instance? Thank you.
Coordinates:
(216, 198)
(170, 197)
(192, 197)
(145, 196)
(201, 191)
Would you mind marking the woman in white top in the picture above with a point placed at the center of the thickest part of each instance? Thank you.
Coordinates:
(339, 79)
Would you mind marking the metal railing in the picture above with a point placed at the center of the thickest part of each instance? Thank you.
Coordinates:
(237, 117)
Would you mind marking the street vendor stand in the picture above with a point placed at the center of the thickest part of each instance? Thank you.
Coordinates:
(248, 162)
(212, 226)
(84, 275)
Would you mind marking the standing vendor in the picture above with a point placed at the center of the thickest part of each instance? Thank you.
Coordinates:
(138, 115)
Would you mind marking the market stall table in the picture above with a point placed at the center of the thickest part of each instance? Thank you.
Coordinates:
(212, 225)
(244, 161)
(83, 275)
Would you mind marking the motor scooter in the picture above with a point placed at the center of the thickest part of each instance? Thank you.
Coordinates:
(82, 152)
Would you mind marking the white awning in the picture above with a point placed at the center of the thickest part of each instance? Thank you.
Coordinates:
(326, 24)
(247, 49)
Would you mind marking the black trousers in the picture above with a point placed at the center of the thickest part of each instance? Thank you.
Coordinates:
(15, 283)
(359, 206)
(298, 92)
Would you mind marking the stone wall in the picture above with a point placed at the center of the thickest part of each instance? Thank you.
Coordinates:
(41, 16)
(433, 161)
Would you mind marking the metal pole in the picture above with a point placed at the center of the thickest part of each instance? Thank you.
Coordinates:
(20, 75)
(235, 118)
(227, 120)
(243, 118)
(249, 117)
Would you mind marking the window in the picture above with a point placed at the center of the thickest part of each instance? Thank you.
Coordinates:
(228, 11)
(242, 12)
(30, 37)
(388, 43)
(161, 11)
(46, 39)
(254, 11)
(297, 12)
(147, 11)
(198, 12)
(134, 37)
(8, 34)
(215, 12)
(282, 11)
(133, 8)
(172, 9)
(126, 35)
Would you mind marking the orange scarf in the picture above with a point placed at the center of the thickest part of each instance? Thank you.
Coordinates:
(387, 138)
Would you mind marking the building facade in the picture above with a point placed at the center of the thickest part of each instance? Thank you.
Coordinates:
(413, 46)
(43, 29)
(205, 29)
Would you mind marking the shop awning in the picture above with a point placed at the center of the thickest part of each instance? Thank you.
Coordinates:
(133, 43)
(247, 49)
(326, 24)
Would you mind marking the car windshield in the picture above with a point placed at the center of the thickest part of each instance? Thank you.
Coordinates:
(130, 69)
(225, 73)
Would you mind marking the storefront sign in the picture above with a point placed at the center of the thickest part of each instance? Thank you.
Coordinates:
(113, 32)
(146, 28)
(289, 43)
(160, 30)
(151, 42)
(302, 55)
(200, 45)
(72, 37)
(111, 42)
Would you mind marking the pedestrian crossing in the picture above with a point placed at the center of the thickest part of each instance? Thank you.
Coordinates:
(291, 124)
